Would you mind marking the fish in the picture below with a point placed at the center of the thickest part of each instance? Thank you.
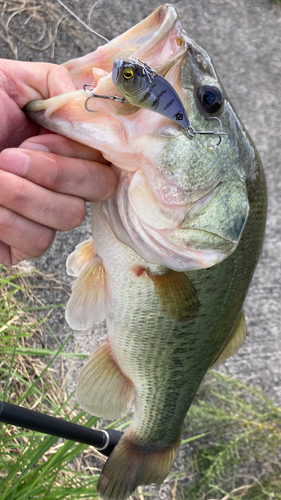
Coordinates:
(172, 252)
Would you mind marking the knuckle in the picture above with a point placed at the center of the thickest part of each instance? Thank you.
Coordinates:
(19, 195)
(6, 220)
(53, 177)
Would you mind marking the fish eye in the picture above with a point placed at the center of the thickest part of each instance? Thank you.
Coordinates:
(128, 72)
(210, 97)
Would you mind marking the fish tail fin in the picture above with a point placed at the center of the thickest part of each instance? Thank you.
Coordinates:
(131, 465)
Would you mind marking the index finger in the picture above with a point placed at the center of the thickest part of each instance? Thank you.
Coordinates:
(60, 145)
(90, 180)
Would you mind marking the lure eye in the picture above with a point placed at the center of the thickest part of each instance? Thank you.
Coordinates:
(128, 72)
(211, 98)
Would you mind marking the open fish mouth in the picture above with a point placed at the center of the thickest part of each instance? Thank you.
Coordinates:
(157, 40)
(179, 203)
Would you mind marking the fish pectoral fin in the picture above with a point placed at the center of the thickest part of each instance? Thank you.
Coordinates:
(131, 465)
(80, 258)
(102, 389)
(236, 341)
(176, 294)
(89, 301)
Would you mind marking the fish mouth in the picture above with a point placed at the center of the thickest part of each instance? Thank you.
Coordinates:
(160, 36)
(158, 41)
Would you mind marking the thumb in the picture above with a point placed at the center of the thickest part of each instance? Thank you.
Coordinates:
(25, 81)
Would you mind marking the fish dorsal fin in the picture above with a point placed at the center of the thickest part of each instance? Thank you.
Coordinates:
(80, 258)
(102, 389)
(89, 300)
(236, 341)
(176, 294)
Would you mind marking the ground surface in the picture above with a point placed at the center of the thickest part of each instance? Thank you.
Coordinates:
(243, 38)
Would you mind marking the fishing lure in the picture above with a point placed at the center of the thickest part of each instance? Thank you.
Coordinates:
(145, 88)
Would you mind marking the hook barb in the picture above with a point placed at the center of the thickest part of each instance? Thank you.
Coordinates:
(191, 132)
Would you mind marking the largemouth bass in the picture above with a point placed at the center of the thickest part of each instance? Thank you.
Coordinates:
(173, 251)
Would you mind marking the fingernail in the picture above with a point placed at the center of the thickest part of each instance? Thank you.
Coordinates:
(14, 161)
(34, 145)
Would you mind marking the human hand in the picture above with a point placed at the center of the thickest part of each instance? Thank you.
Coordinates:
(45, 179)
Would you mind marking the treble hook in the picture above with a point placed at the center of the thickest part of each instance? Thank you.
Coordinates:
(111, 97)
(191, 132)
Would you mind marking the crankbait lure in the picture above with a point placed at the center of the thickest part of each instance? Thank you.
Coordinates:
(145, 88)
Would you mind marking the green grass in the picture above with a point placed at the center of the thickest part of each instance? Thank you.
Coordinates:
(232, 432)
(32, 465)
(240, 456)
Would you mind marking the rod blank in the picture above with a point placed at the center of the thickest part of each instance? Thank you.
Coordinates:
(104, 441)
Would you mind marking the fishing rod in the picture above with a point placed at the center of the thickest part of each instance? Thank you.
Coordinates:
(103, 440)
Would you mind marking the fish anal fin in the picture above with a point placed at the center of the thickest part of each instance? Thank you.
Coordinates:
(89, 300)
(102, 389)
(234, 344)
(176, 294)
(131, 465)
(80, 258)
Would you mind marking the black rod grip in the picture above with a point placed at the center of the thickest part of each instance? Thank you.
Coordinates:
(104, 441)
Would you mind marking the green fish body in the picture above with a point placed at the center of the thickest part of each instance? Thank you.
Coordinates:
(173, 251)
